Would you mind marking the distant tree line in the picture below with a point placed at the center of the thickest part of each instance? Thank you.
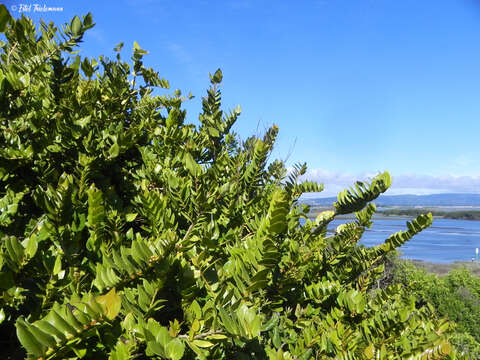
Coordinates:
(463, 215)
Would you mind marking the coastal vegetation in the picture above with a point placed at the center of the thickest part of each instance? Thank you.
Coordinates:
(454, 295)
(127, 233)
(460, 214)
(414, 212)
(444, 268)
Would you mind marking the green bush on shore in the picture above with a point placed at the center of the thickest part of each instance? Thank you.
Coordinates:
(455, 296)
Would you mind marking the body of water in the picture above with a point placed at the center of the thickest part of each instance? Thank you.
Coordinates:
(447, 240)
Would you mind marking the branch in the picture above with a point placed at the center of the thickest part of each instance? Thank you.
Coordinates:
(203, 335)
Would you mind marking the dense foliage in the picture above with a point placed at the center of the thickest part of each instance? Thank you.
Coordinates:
(455, 296)
(126, 233)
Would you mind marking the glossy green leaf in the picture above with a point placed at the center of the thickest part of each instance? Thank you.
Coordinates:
(80, 352)
(131, 217)
(4, 18)
(32, 246)
(175, 349)
(114, 150)
(58, 265)
(76, 25)
(27, 339)
(112, 302)
(57, 321)
(191, 165)
(203, 343)
(217, 77)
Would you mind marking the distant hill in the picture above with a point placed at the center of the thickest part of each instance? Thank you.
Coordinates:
(411, 200)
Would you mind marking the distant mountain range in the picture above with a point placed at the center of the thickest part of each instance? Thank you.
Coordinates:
(410, 200)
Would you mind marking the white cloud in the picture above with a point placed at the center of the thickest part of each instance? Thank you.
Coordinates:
(402, 184)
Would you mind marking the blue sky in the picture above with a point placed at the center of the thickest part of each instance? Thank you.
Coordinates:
(356, 87)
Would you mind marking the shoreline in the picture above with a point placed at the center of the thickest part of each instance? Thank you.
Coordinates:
(387, 215)
(443, 268)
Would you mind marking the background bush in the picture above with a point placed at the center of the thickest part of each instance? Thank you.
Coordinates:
(455, 296)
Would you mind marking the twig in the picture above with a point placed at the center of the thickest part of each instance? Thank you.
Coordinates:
(189, 230)
(203, 335)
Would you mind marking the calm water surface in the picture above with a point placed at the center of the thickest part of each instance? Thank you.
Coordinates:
(447, 240)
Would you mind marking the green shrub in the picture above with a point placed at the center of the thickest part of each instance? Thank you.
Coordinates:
(126, 233)
(466, 344)
(455, 296)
